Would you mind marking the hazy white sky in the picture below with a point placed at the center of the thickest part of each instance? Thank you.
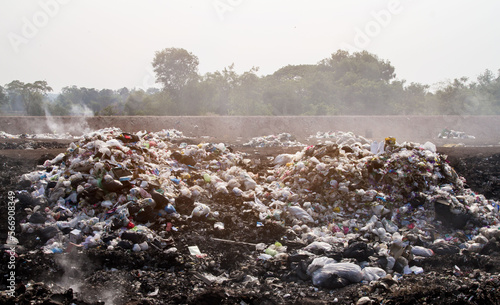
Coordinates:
(111, 43)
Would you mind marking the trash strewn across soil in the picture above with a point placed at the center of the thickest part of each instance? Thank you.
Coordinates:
(280, 140)
(453, 134)
(46, 136)
(153, 218)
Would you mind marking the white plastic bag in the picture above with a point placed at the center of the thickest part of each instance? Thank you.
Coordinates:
(300, 214)
(200, 210)
(429, 146)
(348, 271)
(373, 273)
(318, 245)
(283, 159)
(421, 251)
(319, 263)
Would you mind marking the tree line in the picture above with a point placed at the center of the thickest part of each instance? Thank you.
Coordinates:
(342, 84)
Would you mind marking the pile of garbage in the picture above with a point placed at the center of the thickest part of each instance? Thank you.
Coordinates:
(453, 134)
(170, 134)
(339, 137)
(352, 210)
(164, 133)
(280, 140)
(110, 180)
(55, 136)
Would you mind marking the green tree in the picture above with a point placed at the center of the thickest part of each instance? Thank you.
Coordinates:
(191, 100)
(359, 83)
(108, 99)
(487, 92)
(362, 64)
(246, 96)
(123, 93)
(175, 68)
(218, 87)
(32, 95)
(87, 98)
(134, 104)
(286, 91)
(414, 100)
(456, 98)
(159, 103)
(284, 97)
(60, 107)
(3, 96)
(108, 111)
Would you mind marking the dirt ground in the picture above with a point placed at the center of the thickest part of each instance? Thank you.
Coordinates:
(100, 276)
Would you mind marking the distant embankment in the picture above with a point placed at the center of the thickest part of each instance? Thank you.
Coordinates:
(486, 129)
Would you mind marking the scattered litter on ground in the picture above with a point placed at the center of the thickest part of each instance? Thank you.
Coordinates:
(60, 136)
(453, 134)
(338, 137)
(280, 140)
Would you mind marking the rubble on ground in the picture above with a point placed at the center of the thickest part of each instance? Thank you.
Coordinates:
(170, 134)
(52, 136)
(453, 134)
(331, 215)
(279, 140)
(338, 137)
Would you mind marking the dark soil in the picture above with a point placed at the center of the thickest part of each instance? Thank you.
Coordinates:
(101, 276)
(482, 173)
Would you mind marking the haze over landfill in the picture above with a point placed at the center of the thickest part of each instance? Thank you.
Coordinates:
(111, 44)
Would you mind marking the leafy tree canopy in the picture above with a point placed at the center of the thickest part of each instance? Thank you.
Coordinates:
(175, 68)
